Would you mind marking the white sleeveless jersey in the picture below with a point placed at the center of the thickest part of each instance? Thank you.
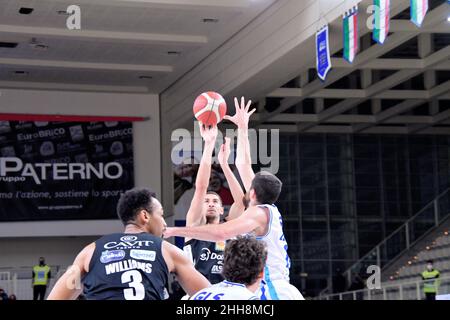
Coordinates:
(225, 290)
(278, 262)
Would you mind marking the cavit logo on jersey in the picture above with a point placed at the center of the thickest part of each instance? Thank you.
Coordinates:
(146, 255)
(128, 242)
(207, 255)
(113, 255)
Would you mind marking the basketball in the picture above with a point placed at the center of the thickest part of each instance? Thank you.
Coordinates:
(210, 108)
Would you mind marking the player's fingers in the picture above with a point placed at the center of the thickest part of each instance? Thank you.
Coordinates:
(236, 103)
(249, 103)
(242, 103)
(251, 112)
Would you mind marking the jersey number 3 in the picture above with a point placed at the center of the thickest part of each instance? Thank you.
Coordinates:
(134, 280)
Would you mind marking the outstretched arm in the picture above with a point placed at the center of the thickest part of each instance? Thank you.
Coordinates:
(243, 154)
(238, 206)
(195, 215)
(249, 222)
(68, 287)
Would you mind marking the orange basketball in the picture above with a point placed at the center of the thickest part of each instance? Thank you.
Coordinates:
(210, 108)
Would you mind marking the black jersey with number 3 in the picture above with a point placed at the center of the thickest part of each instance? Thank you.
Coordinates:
(126, 267)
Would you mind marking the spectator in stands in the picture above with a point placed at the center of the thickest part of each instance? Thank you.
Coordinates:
(12, 297)
(357, 284)
(41, 276)
(3, 295)
(430, 279)
(339, 281)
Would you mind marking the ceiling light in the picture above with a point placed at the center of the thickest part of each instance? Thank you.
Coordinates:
(146, 77)
(21, 72)
(24, 10)
(210, 20)
(42, 47)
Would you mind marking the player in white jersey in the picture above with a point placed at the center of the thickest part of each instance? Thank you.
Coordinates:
(243, 270)
(261, 217)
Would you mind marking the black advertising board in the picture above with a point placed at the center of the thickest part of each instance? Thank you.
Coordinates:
(64, 170)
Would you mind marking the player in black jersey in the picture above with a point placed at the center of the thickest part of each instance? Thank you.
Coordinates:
(206, 208)
(133, 265)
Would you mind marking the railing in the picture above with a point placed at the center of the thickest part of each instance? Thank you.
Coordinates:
(405, 236)
(412, 290)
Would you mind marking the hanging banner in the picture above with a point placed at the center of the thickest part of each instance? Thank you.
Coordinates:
(64, 170)
(382, 17)
(419, 9)
(351, 35)
(323, 60)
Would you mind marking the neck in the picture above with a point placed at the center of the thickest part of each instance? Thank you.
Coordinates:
(254, 287)
(133, 228)
(254, 203)
(214, 220)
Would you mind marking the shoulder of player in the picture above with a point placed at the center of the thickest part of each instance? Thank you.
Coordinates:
(257, 212)
(84, 257)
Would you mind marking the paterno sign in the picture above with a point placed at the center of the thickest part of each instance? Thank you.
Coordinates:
(63, 170)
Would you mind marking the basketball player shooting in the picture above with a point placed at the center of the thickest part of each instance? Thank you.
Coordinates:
(207, 207)
(261, 218)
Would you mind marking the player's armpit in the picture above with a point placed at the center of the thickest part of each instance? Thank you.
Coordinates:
(190, 279)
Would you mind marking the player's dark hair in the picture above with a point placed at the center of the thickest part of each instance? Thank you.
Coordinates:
(133, 201)
(267, 187)
(244, 259)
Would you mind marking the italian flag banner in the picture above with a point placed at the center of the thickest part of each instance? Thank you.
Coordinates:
(382, 14)
(419, 9)
(351, 36)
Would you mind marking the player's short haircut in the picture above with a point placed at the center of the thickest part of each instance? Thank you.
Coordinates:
(267, 187)
(132, 201)
(244, 260)
(216, 194)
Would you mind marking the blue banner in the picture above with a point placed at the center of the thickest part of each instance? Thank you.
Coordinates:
(323, 61)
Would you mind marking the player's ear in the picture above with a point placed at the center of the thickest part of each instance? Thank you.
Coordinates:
(144, 215)
(261, 274)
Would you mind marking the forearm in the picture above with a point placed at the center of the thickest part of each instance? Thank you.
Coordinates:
(236, 210)
(204, 170)
(243, 158)
(210, 232)
(233, 183)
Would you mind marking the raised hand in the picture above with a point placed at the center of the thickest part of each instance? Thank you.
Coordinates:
(224, 152)
(209, 134)
(242, 116)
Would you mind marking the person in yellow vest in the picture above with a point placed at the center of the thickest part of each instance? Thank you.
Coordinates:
(41, 277)
(431, 281)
